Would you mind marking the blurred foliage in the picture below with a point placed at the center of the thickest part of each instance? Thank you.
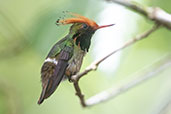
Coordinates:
(28, 31)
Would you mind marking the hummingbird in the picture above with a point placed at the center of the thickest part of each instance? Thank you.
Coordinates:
(66, 56)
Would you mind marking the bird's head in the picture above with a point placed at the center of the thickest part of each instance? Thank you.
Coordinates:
(81, 23)
(82, 28)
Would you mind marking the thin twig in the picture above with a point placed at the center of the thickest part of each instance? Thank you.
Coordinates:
(115, 91)
(79, 93)
(95, 64)
(153, 13)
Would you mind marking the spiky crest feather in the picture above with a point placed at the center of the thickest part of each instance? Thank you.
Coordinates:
(78, 19)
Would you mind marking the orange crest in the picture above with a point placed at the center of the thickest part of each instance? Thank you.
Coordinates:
(78, 19)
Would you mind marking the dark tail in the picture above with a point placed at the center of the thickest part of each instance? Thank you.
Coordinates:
(41, 99)
(55, 78)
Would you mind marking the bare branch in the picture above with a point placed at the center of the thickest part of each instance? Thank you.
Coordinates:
(115, 91)
(95, 64)
(153, 13)
(79, 93)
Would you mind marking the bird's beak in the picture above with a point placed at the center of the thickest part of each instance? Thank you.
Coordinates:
(103, 26)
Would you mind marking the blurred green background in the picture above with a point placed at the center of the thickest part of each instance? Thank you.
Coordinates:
(28, 31)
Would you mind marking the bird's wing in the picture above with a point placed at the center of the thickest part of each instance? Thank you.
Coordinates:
(53, 71)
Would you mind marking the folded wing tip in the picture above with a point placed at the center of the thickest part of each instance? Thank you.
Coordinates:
(40, 101)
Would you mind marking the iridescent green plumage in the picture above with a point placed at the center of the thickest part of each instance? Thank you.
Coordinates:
(66, 56)
(75, 48)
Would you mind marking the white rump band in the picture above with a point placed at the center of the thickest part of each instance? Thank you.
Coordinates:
(51, 60)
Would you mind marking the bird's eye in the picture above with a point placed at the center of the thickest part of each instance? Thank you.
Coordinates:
(84, 26)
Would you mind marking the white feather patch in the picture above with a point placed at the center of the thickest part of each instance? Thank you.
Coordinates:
(51, 60)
